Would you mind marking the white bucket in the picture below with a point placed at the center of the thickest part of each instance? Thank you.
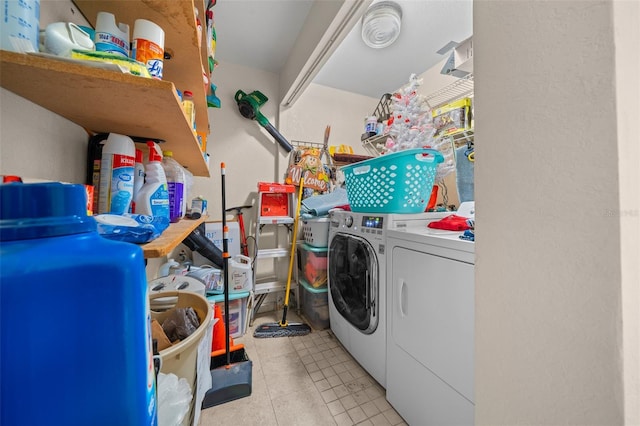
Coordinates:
(110, 37)
(20, 26)
(148, 46)
(240, 275)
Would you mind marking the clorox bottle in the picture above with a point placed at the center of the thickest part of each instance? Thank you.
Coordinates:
(75, 326)
(153, 198)
(116, 174)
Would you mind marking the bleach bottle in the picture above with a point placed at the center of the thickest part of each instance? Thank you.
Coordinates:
(153, 198)
(116, 174)
(75, 326)
(176, 183)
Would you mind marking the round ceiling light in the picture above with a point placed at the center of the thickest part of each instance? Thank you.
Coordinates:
(381, 24)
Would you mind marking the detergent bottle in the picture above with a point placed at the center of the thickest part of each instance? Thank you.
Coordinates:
(74, 315)
(176, 183)
(116, 174)
(153, 198)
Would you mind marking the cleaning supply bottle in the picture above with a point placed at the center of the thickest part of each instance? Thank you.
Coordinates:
(175, 182)
(138, 178)
(153, 198)
(109, 37)
(74, 312)
(116, 174)
(189, 108)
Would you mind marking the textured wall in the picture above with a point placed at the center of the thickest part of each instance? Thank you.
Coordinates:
(548, 270)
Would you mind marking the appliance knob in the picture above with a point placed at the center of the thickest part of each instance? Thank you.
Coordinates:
(348, 220)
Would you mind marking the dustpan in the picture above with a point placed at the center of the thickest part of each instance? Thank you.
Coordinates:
(231, 371)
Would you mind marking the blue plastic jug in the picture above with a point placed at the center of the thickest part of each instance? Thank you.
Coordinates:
(75, 342)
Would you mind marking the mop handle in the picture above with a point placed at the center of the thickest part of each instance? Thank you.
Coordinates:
(225, 261)
(293, 247)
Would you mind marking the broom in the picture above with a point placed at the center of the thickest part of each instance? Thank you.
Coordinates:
(283, 328)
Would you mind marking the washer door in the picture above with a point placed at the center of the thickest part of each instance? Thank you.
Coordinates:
(353, 280)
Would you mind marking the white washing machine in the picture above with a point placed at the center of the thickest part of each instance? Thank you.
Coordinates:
(357, 276)
(430, 327)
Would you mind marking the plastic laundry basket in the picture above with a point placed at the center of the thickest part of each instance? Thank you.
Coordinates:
(181, 358)
(400, 182)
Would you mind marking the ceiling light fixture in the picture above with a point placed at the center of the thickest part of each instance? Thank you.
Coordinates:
(381, 24)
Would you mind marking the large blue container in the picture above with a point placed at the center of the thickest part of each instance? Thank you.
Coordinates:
(76, 342)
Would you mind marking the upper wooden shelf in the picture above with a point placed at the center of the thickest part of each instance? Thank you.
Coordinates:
(178, 20)
(171, 237)
(105, 101)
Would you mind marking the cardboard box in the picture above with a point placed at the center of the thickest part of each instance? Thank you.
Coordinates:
(463, 56)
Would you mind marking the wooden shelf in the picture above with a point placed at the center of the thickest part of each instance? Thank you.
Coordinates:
(171, 238)
(106, 101)
(178, 20)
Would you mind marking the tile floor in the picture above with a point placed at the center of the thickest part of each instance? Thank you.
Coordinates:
(303, 381)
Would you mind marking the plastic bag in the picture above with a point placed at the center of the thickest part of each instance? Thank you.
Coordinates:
(180, 324)
(174, 399)
(131, 228)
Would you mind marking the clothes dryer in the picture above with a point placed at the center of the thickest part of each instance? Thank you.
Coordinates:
(356, 280)
(430, 326)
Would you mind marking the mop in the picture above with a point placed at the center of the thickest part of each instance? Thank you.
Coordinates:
(283, 328)
(230, 372)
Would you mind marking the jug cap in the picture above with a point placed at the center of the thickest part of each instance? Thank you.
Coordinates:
(41, 210)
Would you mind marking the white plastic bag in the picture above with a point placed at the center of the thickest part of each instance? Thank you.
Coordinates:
(174, 399)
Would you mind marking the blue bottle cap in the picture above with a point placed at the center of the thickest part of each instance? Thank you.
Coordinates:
(40, 210)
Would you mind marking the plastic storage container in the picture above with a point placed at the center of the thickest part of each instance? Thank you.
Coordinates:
(238, 307)
(400, 182)
(70, 301)
(315, 305)
(316, 231)
(312, 264)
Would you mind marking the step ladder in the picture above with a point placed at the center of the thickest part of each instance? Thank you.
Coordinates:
(275, 217)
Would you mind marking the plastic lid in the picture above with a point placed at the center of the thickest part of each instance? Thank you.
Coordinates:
(167, 153)
(312, 289)
(188, 93)
(139, 156)
(41, 210)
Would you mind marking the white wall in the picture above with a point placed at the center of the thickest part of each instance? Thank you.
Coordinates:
(626, 35)
(550, 245)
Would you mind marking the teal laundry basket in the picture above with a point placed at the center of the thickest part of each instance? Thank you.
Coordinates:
(400, 182)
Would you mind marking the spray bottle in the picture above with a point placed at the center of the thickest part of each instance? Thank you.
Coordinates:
(153, 198)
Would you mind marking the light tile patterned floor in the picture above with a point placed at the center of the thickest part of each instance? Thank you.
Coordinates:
(304, 381)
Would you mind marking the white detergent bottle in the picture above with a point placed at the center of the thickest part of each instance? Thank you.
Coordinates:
(116, 174)
(153, 198)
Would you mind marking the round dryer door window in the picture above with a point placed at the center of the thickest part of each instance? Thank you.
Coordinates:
(353, 281)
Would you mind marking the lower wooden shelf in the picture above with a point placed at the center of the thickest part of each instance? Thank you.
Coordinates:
(171, 237)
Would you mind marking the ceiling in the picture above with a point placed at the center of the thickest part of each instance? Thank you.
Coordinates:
(260, 34)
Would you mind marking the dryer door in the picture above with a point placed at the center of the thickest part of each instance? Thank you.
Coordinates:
(353, 281)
